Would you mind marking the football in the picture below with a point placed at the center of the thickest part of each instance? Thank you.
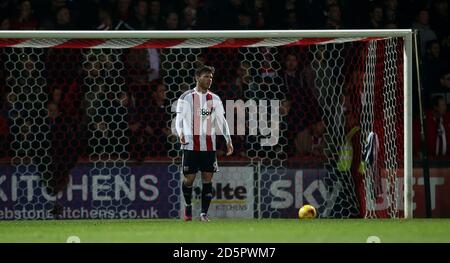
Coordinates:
(307, 212)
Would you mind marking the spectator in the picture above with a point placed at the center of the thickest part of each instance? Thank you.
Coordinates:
(122, 12)
(157, 129)
(65, 145)
(375, 17)
(317, 141)
(309, 142)
(234, 91)
(148, 121)
(47, 13)
(154, 18)
(333, 17)
(62, 67)
(142, 65)
(5, 23)
(56, 97)
(261, 14)
(242, 83)
(172, 22)
(445, 80)
(139, 20)
(153, 64)
(425, 32)
(135, 125)
(136, 66)
(330, 3)
(244, 21)
(192, 3)
(24, 20)
(440, 18)
(303, 108)
(433, 66)
(68, 98)
(303, 143)
(292, 21)
(444, 88)
(104, 20)
(390, 12)
(348, 159)
(63, 19)
(437, 123)
(291, 5)
(189, 19)
(190, 11)
(122, 15)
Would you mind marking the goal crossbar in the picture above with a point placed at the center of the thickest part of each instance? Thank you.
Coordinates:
(146, 34)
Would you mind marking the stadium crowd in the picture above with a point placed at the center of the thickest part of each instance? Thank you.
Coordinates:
(148, 122)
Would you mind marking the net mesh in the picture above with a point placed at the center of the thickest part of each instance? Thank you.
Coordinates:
(104, 113)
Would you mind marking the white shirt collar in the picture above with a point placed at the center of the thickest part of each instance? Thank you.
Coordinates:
(200, 93)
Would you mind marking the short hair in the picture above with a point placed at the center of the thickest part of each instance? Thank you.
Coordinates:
(204, 69)
(435, 100)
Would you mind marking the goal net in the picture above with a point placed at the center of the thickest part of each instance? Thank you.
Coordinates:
(316, 118)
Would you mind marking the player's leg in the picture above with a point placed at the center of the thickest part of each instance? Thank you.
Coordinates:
(206, 194)
(186, 187)
(208, 169)
(189, 169)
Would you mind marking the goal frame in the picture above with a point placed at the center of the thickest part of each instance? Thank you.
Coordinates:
(406, 34)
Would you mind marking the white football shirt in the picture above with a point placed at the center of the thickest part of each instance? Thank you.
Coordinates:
(198, 117)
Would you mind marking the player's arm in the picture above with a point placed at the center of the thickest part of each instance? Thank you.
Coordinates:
(223, 127)
(181, 113)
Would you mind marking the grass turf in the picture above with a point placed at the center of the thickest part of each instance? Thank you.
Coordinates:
(257, 231)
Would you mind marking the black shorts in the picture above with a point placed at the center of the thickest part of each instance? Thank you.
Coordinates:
(203, 161)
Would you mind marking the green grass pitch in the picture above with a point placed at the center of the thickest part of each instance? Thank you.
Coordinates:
(228, 230)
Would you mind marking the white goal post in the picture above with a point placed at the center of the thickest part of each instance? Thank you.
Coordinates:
(270, 38)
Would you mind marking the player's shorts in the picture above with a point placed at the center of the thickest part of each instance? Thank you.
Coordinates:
(203, 161)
